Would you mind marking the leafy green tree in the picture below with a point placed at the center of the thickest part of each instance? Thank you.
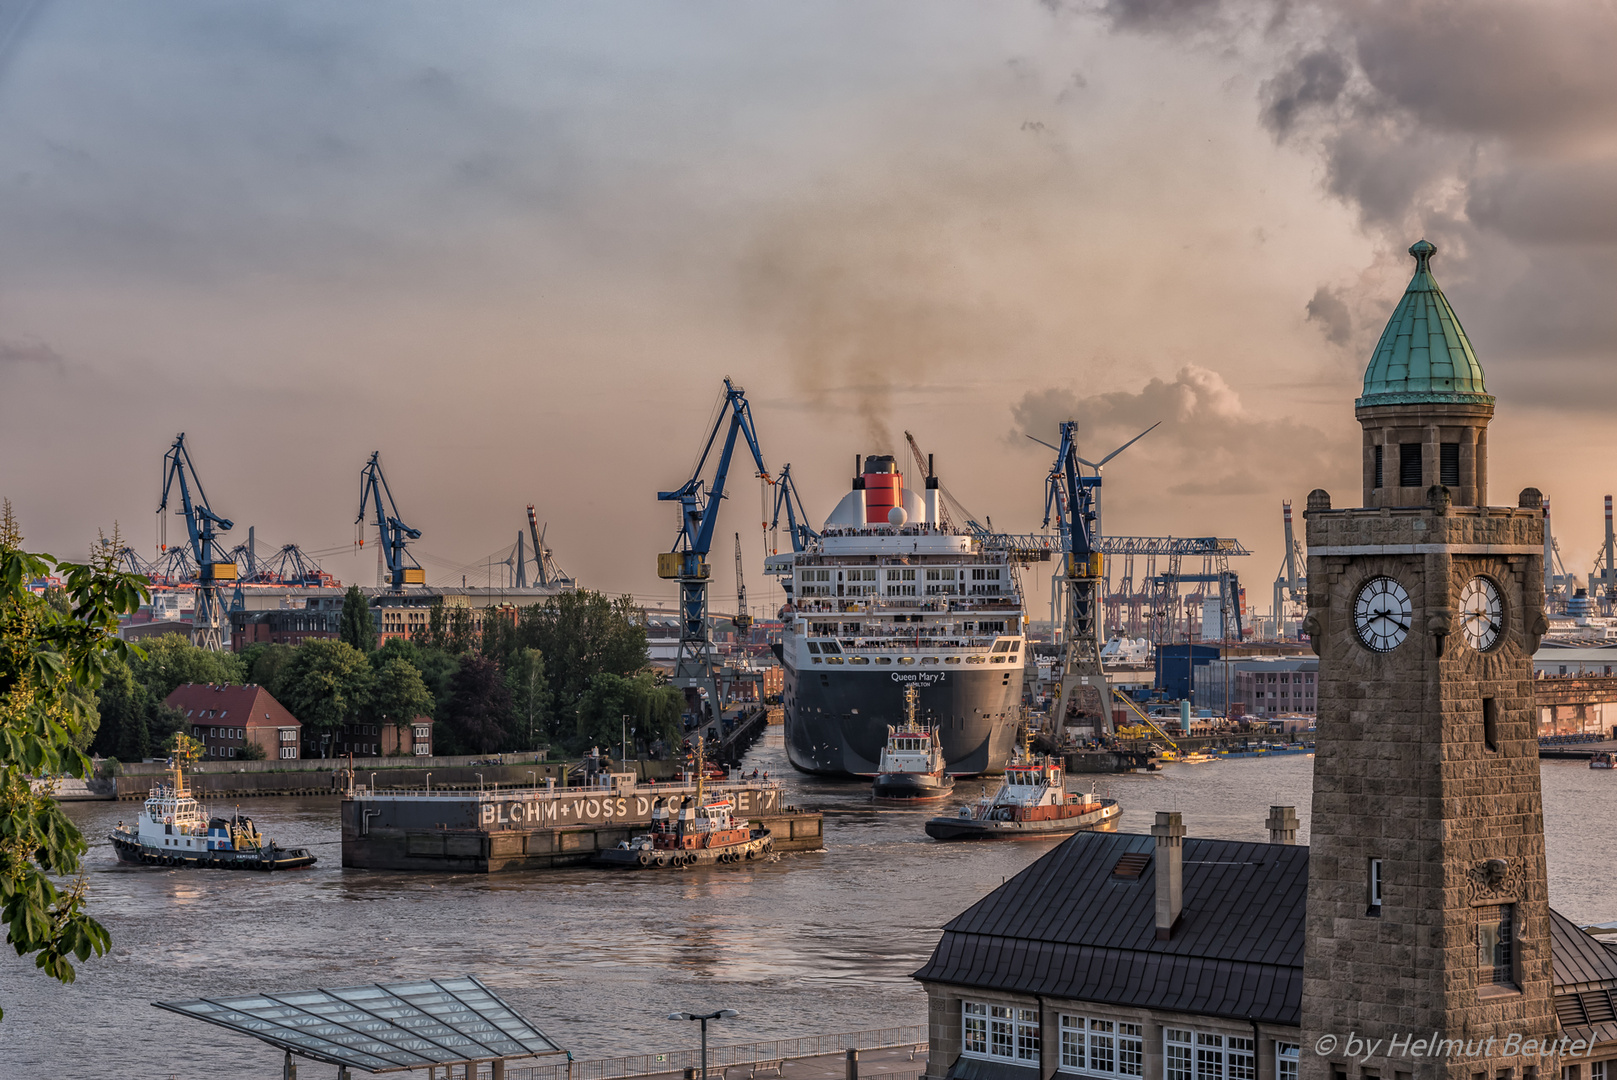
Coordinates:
(124, 706)
(171, 661)
(399, 694)
(265, 666)
(251, 751)
(478, 711)
(398, 648)
(44, 653)
(354, 625)
(581, 635)
(653, 711)
(326, 684)
(530, 697)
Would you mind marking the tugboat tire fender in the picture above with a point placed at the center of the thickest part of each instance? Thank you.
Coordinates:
(643, 859)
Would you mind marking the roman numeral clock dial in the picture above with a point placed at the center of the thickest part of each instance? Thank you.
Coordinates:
(1381, 614)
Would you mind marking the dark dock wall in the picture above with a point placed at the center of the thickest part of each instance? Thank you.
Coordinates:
(531, 831)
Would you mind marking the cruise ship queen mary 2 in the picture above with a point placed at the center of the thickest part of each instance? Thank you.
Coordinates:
(886, 597)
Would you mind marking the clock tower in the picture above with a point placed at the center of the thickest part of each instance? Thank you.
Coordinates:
(1428, 908)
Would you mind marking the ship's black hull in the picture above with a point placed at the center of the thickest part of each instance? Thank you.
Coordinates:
(138, 854)
(911, 787)
(837, 717)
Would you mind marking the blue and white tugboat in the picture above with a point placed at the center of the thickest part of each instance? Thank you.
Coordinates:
(175, 830)
(912, 764)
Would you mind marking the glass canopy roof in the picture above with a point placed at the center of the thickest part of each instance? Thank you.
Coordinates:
(380, 1028)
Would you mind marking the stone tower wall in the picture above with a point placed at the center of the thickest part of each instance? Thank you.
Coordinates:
(1403, 773)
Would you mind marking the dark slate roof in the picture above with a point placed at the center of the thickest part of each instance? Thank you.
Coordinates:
(1580, 960)
(1065, 927)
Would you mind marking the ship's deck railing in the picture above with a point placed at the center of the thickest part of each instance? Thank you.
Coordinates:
(721, 1057)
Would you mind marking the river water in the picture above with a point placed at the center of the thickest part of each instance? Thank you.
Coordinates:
(813, 943)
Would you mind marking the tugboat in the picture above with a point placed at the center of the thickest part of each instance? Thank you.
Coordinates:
(912, 761)
(1031, 803)
(700, 829)
(175, 830)
(1603, 760)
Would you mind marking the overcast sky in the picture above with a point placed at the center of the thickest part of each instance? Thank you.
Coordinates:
(516, 247)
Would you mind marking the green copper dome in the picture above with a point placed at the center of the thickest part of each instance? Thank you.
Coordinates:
(1423, 355)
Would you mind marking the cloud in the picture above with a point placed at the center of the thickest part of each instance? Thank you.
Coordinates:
(1208, 447)
(1329, 310)
(33, 354)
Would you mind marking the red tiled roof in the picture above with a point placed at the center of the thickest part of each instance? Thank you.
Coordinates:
(249, 706)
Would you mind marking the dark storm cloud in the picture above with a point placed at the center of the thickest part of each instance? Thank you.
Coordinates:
(1489, 127)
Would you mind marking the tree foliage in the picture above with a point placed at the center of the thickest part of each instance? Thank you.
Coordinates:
(170, 661)
(354, 625)
(326, 684)
(46, 653)
(478, 711)
(399, 694)
(653, 711)
(530, 698)
(581, 635)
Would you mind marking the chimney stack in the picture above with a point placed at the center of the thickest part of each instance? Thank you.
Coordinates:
(1282, 824)
(1170, 833)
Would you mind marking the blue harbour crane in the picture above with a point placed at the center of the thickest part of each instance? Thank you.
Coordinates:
(699, 499)
(394, 534)
(797, 519)
(213, 564)
(1072, 496)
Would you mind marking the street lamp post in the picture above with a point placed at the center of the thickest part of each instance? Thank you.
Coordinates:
(624, 746)
(429, 781)
(534, 777)
(722, 1014)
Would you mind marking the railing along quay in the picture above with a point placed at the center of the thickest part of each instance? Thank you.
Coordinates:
(721, 1057)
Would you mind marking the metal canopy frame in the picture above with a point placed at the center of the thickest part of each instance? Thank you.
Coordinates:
(380, 1028)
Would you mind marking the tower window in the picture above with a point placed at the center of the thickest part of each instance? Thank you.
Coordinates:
(1379, 449)
(1490, 723)
(1496, 945)
(1375, 887)
(1409, 464)
(1448, 464)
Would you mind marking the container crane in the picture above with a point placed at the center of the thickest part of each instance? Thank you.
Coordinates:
(203, 526)
(1073, 498)
(546, 572)
(743, 619)
(394, 535)
(699, 501)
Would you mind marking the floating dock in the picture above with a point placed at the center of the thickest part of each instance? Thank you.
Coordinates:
(536, 828)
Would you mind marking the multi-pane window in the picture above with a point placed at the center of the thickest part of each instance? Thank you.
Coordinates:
(1177, 1050)
(1108, 1047)
(1203, 1055)
(1375, 886)
(974, 1034)
(1597, 1070)
(999, 1031)
(1286, 1061)
(1496, 944)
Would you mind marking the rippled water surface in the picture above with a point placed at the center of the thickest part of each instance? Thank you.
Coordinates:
(813, 943)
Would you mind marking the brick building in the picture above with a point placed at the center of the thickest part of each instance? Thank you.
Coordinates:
(226, 718)
(290, 626)
(385, 739)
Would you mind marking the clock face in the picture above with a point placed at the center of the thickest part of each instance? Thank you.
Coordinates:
(1482, 613)
(1381, 614)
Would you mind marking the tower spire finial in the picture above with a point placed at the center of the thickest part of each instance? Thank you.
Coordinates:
(1423, 250)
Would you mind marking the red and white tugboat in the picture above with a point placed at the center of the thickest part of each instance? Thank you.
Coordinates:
(912, 761)
(175, 830)
(1031, 802)
(700, 829)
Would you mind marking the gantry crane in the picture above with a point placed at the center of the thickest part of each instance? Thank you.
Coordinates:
(1073, 498)
(394, 535)
(203, 526)
(546, 572)
(699, 501)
